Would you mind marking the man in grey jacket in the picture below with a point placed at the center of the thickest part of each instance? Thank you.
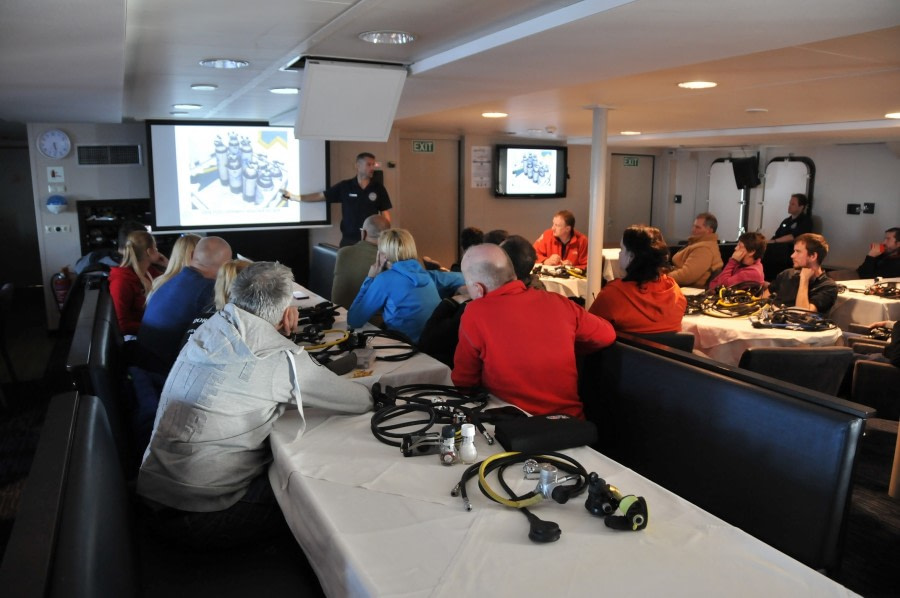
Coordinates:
(204, 474)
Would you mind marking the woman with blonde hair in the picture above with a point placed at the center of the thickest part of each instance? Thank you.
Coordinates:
(399, 287)
(182, 252)
(131, 281)
(221, 291)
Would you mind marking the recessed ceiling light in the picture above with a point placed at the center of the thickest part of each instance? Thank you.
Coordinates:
(697, 84)
(892, 115)
(177, 113)
(285, 90)
(753, 110)
(204, 87)
(629, 132)
(494, 114)
(387, 37)
(224, 63)
(187, 106)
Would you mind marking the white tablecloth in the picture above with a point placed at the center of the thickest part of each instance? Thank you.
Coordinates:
(419, 369)
(611, 268)
(726, 339)
(858, 308)
(374, 523)
(568, 287)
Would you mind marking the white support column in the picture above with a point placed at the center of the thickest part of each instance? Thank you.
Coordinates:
(597, 212)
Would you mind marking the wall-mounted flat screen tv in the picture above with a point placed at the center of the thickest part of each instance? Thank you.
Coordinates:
(529, 171)
(216, 176)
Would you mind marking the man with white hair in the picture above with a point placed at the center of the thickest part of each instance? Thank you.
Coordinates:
(204, 474)
(521, 343)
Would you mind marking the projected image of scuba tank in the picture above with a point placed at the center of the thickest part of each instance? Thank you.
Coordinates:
(234, 174)
(246, 150)
(250, 173)
(221, 160)
(277, 174)
(264, 185)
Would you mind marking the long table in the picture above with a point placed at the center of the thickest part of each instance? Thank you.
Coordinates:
(374, 523)
(855, 307)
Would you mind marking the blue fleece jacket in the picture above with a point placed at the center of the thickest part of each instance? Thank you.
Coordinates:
(406, 294)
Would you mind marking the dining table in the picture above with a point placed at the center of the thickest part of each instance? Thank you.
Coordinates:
(375, 523)
(857, 304)
(725, 339)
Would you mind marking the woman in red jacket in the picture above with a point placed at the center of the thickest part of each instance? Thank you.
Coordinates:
(647, 300)
(130, 282)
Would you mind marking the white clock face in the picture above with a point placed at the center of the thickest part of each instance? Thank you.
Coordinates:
(54, 144)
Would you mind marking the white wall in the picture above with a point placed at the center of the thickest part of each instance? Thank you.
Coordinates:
(59, 249)
(865, 173)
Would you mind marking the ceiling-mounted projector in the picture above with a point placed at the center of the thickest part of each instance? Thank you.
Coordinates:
(348, 101)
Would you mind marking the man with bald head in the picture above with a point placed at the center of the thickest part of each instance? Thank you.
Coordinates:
(175, 304)
(353, 262)
(521, 343)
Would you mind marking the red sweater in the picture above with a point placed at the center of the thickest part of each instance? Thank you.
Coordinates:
(576, 249)
(655, 306)
(128, 297)
(520, 344)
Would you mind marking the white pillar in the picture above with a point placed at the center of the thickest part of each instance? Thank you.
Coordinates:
(597, 212)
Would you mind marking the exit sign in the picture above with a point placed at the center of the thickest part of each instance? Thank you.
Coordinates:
(631, 161)
(425, 147)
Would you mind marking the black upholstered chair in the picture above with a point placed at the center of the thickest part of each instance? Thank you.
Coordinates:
(321, 271)
(875, 384)
(817, 368)
(6, 298)
(677, 340)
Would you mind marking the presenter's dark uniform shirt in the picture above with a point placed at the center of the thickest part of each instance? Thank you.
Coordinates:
(357, 204)
(790, 226)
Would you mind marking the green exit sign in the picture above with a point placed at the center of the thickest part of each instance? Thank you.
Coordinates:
(425, 147)
(631, 161)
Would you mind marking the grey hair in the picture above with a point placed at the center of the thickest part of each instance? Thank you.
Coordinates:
(264, 289)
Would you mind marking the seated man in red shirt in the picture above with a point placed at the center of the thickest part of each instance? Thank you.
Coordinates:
(521, 343)
(561, 244)
(745, 264)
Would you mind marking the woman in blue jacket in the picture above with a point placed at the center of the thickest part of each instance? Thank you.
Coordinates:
(399, 287)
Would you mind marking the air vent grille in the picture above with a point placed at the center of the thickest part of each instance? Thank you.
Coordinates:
(103, 155)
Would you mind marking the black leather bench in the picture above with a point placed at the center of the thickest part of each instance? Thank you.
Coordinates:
(72, 533)
(768, 457)
(321, 270)
(96, 363)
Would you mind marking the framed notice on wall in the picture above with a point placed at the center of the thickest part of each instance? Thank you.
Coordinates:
(481, 166)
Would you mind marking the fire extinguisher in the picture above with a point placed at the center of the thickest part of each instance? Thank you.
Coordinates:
(61, 284)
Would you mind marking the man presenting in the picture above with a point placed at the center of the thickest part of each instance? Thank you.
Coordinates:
(561, 244)
(695, 263)
(806, 285)
(521, 343)
(360, 197)
(883, 261)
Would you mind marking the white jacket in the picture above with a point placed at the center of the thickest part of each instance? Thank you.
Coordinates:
(231, 381)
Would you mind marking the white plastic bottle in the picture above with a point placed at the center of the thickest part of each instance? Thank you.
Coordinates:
(467, 452)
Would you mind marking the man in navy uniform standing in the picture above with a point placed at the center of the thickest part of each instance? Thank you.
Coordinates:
(360, 197)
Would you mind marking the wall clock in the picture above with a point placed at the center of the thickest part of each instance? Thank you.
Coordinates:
(54, 143)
